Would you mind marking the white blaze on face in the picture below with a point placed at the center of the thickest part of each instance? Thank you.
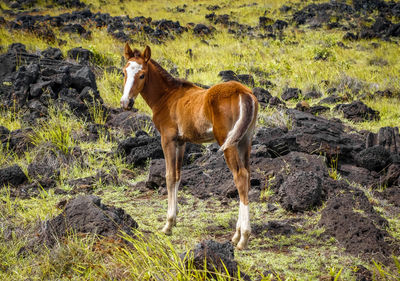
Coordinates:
(131, 71)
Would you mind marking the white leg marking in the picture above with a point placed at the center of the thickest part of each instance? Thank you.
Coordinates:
(236, 236)
(131, 71)
(244, 226)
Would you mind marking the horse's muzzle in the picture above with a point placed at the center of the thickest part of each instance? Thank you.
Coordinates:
(127, 104)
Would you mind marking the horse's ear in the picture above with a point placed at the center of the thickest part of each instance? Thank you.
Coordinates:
(147, 54)
(128, 53)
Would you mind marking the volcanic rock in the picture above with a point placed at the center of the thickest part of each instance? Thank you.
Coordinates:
(139, 149)
(80, 54)
(86, 214)
(357, 111)
(12, 175)
(301, 191)
(290, 93)
(352, 220)
(219, 257)
(373, 158)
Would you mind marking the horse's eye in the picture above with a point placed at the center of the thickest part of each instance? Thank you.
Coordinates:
(141, 76)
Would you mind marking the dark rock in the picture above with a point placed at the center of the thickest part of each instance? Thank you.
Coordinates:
(52, 53)
(301, 191)
(368, 5)
(87, 184)
(201, 29)
(80, 54)
(86, 214)
(290, 93)
(129, 122)
(313, 94)
(352, 220)
(44, 167)
(280, 24)
(219, 257)
(350, 36)
(82, 78)
(156, 178)
(4, 134)
(373, 158)
(246, 79)
(357, 111)
(331, 100)
(139, 149)
(285, 9)
(263, 21)
(392, 177)
(213, 7)
(318, 109)
(263, 96)
(390, 194)
(358, 175)
(388, 137)
(20, 140)
(16, 48)
(362, 273)
(313, 135)
(73, 28)
(228, 75)
(12, 175)
(318, 14)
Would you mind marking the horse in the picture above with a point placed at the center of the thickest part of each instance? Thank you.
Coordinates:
(183, 112)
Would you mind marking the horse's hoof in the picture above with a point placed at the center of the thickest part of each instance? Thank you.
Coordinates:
(241, 245)
(167, 230)
(236, 237)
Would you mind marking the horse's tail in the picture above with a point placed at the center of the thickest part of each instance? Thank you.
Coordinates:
(247, 110)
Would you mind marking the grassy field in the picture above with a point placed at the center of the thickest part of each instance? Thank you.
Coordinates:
(288, 62)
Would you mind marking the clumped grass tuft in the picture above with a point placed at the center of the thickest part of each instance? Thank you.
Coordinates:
(57, 129)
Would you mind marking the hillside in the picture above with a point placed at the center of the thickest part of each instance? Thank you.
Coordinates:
(82, 184)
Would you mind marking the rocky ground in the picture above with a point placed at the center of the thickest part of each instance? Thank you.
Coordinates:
(319, 183)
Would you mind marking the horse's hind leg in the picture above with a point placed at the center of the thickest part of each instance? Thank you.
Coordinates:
(234, 159)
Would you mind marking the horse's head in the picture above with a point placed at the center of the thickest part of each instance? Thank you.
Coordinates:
(135, 72)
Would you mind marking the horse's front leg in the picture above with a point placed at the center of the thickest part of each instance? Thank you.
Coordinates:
(169, 148)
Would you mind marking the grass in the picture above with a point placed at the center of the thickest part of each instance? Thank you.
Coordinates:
(289, 62)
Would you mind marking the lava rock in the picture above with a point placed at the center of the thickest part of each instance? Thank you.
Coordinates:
(80, 54)
(12, 175)
(219, 257)
(290, 93)
(201, 29)
(373, 158)
(352, 220)
(357, 111)
(139, 149)
(52, 53)
(228, 75)
(301, 191)
(388, 137)
(86, 214)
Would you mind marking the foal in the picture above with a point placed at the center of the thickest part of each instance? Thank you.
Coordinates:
(183, 112)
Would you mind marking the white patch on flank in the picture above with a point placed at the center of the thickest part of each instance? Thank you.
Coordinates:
(231, 133)
(131, 71)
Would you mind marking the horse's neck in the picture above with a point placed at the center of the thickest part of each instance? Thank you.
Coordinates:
(156, 88)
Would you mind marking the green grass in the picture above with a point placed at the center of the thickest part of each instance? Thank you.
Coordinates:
(305, 255)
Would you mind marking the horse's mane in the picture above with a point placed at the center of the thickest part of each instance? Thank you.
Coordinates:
(171, 81)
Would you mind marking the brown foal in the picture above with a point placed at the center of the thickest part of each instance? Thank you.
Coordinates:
(183, 112)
